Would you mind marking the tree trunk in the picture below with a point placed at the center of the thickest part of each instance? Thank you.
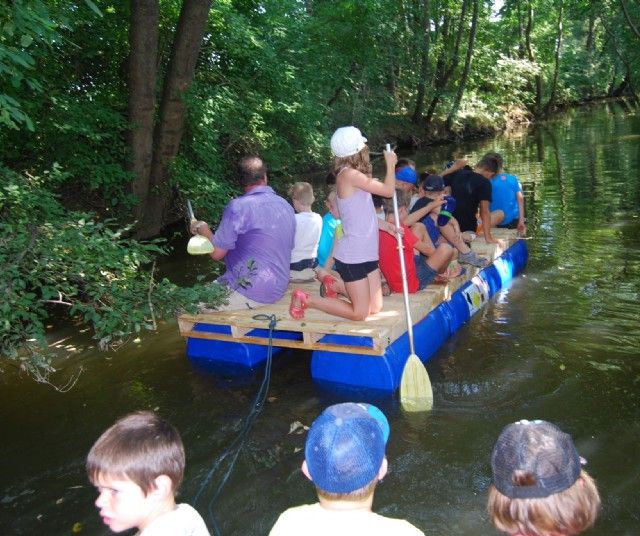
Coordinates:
(466, 69)
(143, 43)
(554, 83)
(633, 27)
(424, 65)
(443, 73)
(180, 73)
(590, 34)
(532, 58)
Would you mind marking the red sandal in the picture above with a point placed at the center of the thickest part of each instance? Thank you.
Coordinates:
(298, 303)
(326, 290)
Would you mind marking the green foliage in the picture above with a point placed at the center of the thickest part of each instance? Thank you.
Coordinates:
(25, 30)
(67, 262)
(273, 77)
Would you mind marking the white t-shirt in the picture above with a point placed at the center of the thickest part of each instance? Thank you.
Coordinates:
(308, 230)
(314, 520)
(183, 521)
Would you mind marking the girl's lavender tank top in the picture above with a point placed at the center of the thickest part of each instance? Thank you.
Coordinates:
(360, 224)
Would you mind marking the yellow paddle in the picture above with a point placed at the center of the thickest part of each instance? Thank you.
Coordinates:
(198, 244)
(416, 393)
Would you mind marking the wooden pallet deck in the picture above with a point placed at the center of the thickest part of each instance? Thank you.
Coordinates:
(383, 328)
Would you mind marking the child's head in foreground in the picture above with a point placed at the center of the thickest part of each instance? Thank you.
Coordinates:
(301, 194)
(539, 487)
(344, 452)
(137, 465)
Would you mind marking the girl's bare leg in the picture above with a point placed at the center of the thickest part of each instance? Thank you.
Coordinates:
(357, 309)
(441, 258)
(375, 292)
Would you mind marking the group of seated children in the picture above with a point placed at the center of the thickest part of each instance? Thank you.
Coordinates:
(358, 235)
(538, 487)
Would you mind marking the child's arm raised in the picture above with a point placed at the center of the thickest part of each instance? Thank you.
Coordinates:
(374, 186)
(422, 212)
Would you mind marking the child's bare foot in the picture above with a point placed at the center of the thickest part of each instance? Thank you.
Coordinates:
(455, 270)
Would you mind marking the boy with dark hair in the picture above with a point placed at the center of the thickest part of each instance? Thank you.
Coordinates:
(472, 192)
(507, 203)
(137, 466)
(344, 458)
(539, 487)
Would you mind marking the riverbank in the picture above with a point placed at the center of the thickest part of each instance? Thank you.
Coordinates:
(470, 126)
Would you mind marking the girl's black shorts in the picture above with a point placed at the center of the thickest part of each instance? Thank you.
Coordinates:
(355, 272)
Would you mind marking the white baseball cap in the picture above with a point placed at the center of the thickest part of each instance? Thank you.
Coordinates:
(347, 141)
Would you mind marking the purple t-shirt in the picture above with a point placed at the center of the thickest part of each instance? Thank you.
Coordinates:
(257, 229)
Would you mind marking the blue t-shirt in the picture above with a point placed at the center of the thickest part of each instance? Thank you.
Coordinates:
(432, 229)
(329, 224)
(428, 221)
(504, 188)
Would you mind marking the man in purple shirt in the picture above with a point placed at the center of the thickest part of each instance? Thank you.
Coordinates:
(255, 238)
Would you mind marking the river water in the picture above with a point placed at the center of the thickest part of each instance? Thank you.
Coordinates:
(562, 344)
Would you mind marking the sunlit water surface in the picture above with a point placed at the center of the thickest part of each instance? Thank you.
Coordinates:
(562, 344)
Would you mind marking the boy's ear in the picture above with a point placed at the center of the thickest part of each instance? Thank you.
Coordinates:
(305, 470)
(384, 467)
(163, 487)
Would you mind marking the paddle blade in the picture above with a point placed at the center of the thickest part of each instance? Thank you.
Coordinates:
(199, 245)
(415, 387)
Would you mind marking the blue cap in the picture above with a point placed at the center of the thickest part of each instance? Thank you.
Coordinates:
(345, 447)
(407, 174)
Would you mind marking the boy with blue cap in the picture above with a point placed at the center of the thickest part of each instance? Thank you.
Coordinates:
(344, 458)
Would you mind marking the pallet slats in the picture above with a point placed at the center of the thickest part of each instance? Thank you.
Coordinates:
(379, 330)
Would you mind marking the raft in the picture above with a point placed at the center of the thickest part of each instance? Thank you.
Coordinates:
(366, 354)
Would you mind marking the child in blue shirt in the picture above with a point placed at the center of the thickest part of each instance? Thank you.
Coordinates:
(507, 199)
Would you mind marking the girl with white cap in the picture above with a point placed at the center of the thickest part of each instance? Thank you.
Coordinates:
(356, 253)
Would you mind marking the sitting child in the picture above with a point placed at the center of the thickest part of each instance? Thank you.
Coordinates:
(407, 180)
(507, 200)
(445, 224)
(330, 223)
(421, 267)
(539, 487)
(308, 230)
(345, 459)
(137, 466)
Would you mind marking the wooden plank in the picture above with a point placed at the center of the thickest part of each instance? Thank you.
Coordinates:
(378, 348)
(311, 338)
(237, 331)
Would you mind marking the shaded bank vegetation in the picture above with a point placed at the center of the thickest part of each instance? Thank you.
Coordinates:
(112, 113)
